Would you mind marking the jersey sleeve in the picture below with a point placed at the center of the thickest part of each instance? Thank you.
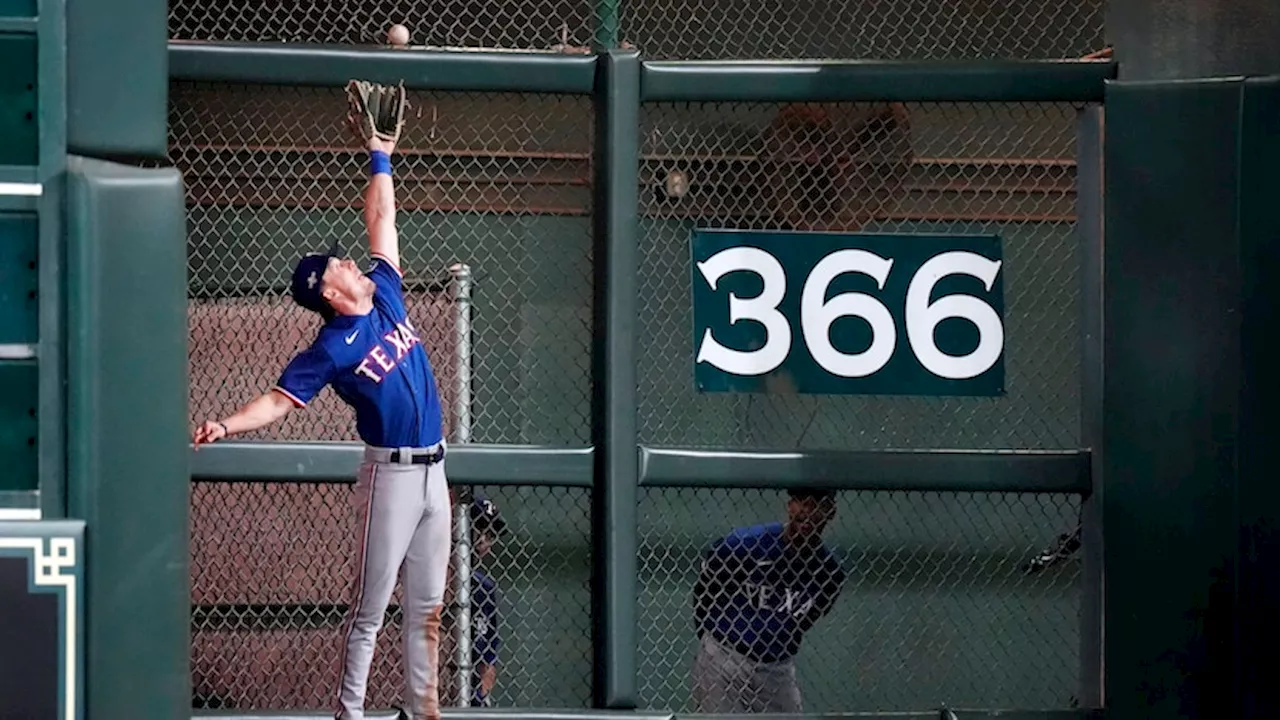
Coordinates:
(306, 375)
(715, 578)
(388, 278)
(830, 582)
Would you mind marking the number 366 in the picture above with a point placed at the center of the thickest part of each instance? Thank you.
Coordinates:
(817, 314)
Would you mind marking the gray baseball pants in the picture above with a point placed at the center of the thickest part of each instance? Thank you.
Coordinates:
(405, 519)
(727, 682)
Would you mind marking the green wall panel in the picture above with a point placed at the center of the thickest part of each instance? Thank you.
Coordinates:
(19, 241)
(118, 78)
(18, 425)
(19, 137)
(17, 8)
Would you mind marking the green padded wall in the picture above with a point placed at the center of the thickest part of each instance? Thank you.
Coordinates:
(127, 432)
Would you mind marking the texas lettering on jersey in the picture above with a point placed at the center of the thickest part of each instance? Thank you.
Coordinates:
(402, 339)
(769, 598)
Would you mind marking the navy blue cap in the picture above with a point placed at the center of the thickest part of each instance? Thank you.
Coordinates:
(307, 282)
(804, 493)
(485, 516)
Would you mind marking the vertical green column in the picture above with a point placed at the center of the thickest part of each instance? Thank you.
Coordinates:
(1089, 223)
(613, 364)
(51, 264)
(127, 460)
(1192, 299)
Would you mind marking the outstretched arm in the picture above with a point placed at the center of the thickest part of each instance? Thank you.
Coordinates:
(260, 412)
(380, 203)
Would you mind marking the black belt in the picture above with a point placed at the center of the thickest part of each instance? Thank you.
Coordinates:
(430, 458)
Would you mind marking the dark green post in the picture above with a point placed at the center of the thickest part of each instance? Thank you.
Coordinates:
(613, 364)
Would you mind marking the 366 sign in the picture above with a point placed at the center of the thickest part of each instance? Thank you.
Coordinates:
(848, 313)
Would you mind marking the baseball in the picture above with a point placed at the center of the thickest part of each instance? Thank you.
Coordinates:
(398, 35)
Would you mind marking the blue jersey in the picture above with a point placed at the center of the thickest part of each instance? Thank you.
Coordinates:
(377, 365)
(485, 641)
(759, 596)
(484, 620)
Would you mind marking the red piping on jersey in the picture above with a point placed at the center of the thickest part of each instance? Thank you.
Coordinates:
(293, 398)
(364, 560)
(387, 260)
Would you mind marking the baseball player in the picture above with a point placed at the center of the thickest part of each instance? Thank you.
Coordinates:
(487, 526)
(761, 588)
(370, 352)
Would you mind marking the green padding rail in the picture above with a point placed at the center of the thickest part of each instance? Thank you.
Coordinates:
(923, 470)
(830, 81)
(333, 66)
(337, 462)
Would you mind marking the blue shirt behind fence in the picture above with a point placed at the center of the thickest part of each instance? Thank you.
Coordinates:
(759, 596)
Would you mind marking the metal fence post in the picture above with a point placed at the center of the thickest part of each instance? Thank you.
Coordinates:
(613, 365)
(461, 509)
(1089, 211)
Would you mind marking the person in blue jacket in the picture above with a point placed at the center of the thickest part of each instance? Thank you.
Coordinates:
(760, 589)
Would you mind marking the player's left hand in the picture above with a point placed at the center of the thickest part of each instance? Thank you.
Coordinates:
(210, 431)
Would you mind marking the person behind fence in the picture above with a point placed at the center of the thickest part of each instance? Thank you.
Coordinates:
(760, 589)
(487, 525)
(370, 352)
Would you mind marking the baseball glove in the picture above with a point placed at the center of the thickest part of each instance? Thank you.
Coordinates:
(376, 111)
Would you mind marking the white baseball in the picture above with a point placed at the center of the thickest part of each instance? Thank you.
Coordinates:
(398, 35)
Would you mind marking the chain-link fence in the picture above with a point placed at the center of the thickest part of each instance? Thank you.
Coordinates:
(500, 183)
(674, 29)
(880, 29)
(1007, 169)
(273, 567)
(517, 24)
(931, 599)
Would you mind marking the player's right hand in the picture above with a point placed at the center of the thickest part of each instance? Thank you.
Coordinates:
(210, 431)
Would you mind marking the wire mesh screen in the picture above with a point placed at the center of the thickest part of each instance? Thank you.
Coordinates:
(514, 24)
(674, 29)
(273, 567)
(498, 183)
(930, 599)
(902, 29)
(1006, 169)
